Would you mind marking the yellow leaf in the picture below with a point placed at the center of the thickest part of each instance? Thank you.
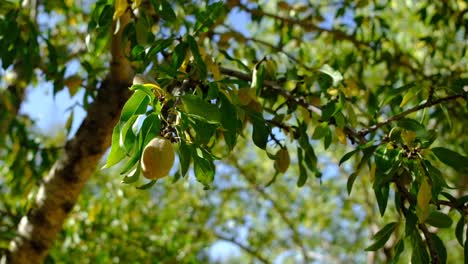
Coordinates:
(305, 115)
(424, 198)
(136, 4)
(408, 96)
(213, 67)
(73, 83)
(408, 137)
(120, 7)
(341, 135)
(333, 92)
(284, 5)
(188, 57)
(244, 97)
(270, 69)
(282, 160)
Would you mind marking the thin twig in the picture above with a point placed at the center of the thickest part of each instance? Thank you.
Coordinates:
(247, 249)
(338, 34)
(275, 87)
(409, 111)
(295, 235)
(430, 244)
(299, 100)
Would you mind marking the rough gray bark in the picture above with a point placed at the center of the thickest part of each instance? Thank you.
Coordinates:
(60, 189)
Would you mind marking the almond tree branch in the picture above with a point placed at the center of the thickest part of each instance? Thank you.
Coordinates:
(299, 100)
(275, 87)
(403, 114)
(429, 242)
(59, 191)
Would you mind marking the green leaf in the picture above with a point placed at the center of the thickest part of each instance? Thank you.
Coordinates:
(440, 248)
(350, 182)
(228, 121)
(451, 158)
(195, 106)
(382, 236)
(258, 77)
(180, 51)
(150, 128)
(321, 131)
(436, 177)
(347, 156)
(438, 219)
(146, 89)
(131, 163)
(410, 225)
(158, 46)
(328, 111)
(426, 137)
(137, 53)
(68, 124)
(465, 250)
(200, 65)
(146, 185)
(204, 169)
(386, 160)
(260, 131)
(116, 153)
(136, 104)
(399, 248)
(330, 77)
(459, 230)
(164, 9)
(302, 170)
(204, 131)
(127, 138)
(184, 157)
(419, 255)
(105, 18)
(310, 158)
(381, 194)
(133, 177)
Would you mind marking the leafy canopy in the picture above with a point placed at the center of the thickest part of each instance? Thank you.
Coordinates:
(380, 87)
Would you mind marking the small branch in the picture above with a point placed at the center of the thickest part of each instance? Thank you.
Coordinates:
(267, 44)
(275, 87)
(430, 244)
(247, 249)
(337, 34)
(409, 111)
(301, 101)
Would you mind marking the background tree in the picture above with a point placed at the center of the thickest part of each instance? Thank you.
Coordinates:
(376, 87)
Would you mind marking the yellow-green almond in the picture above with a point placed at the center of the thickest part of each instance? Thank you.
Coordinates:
(157, 158)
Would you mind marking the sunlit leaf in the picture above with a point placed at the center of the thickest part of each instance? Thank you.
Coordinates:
(424, 198)
(120, 8)
(196, 106)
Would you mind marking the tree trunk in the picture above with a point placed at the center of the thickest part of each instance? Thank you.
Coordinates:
(59, 191)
